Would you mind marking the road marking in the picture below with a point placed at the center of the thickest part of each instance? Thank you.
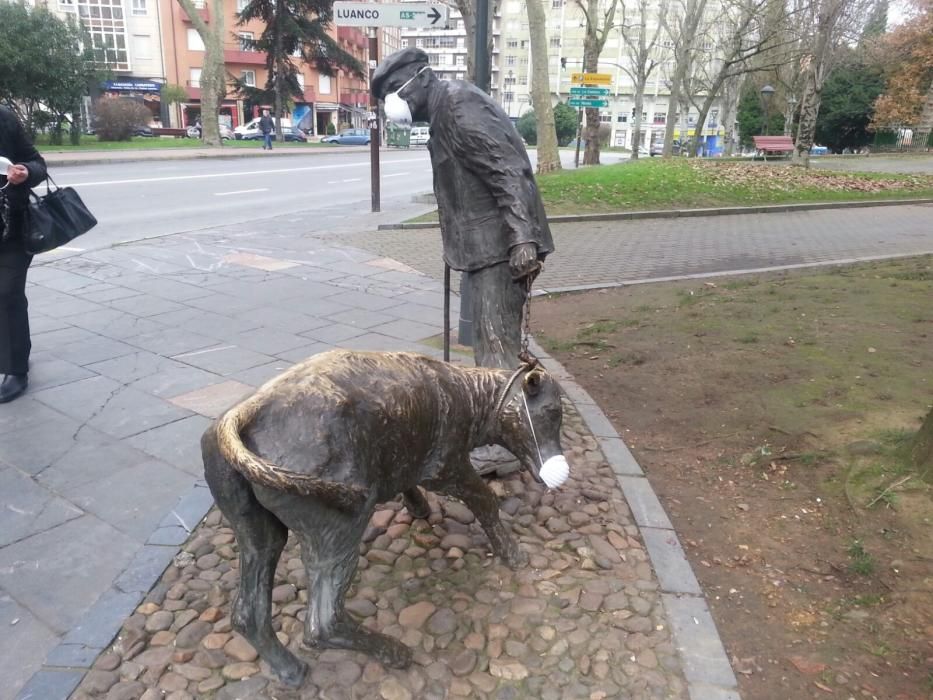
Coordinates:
(236, 174)
(397, 175)
(224, 194)
(353, 179)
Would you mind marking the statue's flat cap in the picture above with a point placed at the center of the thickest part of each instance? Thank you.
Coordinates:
(411, 56)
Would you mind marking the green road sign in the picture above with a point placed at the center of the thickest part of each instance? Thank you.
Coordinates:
(592, 91)
(587, 102)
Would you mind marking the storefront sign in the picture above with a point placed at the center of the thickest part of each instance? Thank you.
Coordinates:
(131, 85)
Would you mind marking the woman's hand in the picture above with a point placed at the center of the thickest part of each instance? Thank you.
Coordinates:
(16, 174)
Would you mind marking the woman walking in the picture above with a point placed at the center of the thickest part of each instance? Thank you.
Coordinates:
(25, 170)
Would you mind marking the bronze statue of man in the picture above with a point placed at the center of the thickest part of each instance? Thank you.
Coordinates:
(493, 223)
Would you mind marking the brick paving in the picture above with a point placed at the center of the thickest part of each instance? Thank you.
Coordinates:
(614, 252)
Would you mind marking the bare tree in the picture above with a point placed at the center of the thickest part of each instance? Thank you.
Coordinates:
(643, 56)
(744, 30)
(548, 155)
(213, 79)
(467, 9)
(833, 23)
(680, 22)
(731, 92)
(598, 25)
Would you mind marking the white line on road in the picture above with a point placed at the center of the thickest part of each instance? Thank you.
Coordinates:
(202, 352)
(227, 174)
(224, 194)
(353, 179)
(397, 175)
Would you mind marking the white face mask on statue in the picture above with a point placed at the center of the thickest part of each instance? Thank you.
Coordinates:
(396, 108)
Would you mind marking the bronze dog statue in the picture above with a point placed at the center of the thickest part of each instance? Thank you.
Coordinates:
(317, 448)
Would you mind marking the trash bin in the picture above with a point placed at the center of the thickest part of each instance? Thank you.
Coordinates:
(398, 137)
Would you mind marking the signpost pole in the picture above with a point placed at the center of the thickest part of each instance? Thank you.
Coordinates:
(374, 131)
(576, 158)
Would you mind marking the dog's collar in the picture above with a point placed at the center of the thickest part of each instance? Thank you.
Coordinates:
(523, 368)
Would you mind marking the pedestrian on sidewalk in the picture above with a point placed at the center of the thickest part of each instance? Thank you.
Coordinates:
(266, 126)
(26, 170)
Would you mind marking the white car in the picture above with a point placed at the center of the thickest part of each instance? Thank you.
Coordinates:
(251, 128)
(419, 135)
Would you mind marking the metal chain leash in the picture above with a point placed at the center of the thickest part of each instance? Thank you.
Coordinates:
(524, 354)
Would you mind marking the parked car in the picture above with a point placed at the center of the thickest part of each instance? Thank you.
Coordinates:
(420, 135)
(818, 150)
(290, 133)
(194, 132)
(251, 128)
(349, 137)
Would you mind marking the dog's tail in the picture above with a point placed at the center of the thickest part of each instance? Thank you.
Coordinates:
(259, 471)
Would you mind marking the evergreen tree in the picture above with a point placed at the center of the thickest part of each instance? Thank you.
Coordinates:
(293, 28)
(848, 102)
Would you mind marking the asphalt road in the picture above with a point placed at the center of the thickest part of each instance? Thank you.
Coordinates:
(329, 191)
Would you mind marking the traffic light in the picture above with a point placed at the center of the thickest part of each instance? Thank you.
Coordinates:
(563, 63)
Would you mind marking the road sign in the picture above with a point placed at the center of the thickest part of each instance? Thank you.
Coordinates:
(373, 14)
(590, 78)
(591, 91)
(588, 102)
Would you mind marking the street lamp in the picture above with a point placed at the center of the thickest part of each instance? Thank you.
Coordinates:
(508, 94)
(767, 92)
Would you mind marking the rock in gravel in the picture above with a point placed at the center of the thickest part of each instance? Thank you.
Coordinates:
(126, 690)
(444, 621)
(508, 670)
(244, 690)
(160, 621)
(391, 689)
(604, 549)
(239, 671)
(360, 607)
(191, 635)
(239, 649)
(416, 615)
(99, 682)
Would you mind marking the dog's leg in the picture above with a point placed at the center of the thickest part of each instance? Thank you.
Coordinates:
(261, 539)
(416, 503)
(330, 553)
(464, 483)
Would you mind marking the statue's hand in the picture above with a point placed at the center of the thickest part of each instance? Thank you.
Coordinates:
(523, 261)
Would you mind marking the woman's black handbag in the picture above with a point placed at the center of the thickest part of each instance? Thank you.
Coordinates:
(55, 219)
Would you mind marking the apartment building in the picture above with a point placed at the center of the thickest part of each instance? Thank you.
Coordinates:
(511, 76)
(339, 100)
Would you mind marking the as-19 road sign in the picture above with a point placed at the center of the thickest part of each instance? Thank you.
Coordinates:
(591, 91)
(373, 14)
(591, 78)
(587, 102)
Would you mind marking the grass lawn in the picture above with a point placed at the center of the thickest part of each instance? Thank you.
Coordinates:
(773, 415)
(649, 184)
(139, 143)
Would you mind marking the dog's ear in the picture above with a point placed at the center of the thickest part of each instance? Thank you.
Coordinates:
(532, 383)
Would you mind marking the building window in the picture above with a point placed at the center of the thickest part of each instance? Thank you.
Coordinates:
(195, 78)
(246, 41)
(523, 79)
(459, 76)
(660, 117)
(199, 4)
(142, 45)
(323, 84)
(66, 5)
(511, 44)
(106, 25)
(605, 117)
(139, 8)
(508, 96)
(195, 43)
(447, 42)
(241, 5)
(555, 42)
(622, 118)
(461, 59)
(525, 44)
(248, 77)
(510, 60)
(419, 42)
(557, 4)
(301, 80)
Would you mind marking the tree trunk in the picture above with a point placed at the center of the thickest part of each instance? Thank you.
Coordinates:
(548, 155)
(591, 65)
(704, 110)
(636, 120)
(279, 72)
(213, 73)
(467, 9)
(730, 105)
(693, 11)
(922, 450)
(806, 129)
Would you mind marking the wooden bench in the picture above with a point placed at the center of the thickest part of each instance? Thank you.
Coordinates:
(773, 145)
(165, 131)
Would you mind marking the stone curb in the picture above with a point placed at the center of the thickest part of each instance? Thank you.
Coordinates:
(706, 666)
(688, 213)
(66, 664)
(68, 159)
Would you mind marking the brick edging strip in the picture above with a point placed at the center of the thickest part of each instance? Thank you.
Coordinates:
(706, 665)
(689, 213)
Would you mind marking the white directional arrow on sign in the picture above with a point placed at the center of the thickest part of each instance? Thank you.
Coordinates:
(372, 14)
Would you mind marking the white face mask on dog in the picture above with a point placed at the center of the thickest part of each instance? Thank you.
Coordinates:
(396, 108)
(554, 470)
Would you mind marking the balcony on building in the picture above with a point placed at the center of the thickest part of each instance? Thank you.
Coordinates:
(352, 35)
(203, 13)
(235, 53)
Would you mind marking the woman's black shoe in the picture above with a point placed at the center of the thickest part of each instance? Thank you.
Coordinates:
(13, 385)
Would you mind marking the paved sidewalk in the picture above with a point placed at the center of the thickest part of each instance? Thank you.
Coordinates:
(61, 158)
(616, 252)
